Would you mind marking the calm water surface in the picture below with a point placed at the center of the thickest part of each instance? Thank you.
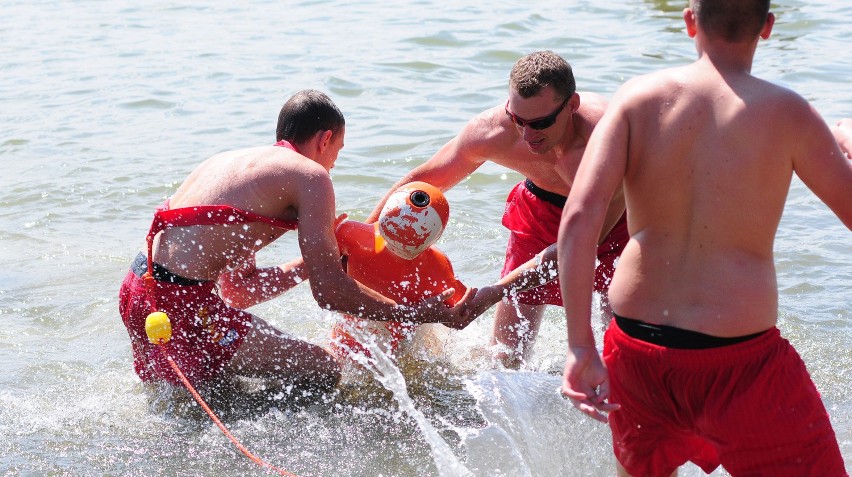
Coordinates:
(106, 106)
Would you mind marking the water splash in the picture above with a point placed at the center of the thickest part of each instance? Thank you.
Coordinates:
(531, 430)
(389, 375)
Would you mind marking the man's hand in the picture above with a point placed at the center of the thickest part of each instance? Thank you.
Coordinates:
(474, 303)
(428, 310)
(340, 219)
(462, 314)
(433, 310)
(586, 382)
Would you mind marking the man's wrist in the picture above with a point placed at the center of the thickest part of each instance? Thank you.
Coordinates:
(402, 312)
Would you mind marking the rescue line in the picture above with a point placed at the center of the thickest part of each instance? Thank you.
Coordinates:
(159, 331)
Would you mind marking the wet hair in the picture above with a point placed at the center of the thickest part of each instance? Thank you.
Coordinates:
(731, 20)
(307, 113)
(539, 69)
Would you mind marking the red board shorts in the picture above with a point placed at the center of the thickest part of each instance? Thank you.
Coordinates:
(532, 216)
(206, 332)
(750, 407)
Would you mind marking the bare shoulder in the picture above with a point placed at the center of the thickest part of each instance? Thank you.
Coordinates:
(264, 179)
(488, 132)
(280, 174)
(314, 201)
(299, 172)
(247, 154)
(224, 168)
(592, 106)
(786, 112)
(652, 87)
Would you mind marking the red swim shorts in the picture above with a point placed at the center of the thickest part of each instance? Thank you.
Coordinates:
(533, 223)
(206, 332)
(750, 407)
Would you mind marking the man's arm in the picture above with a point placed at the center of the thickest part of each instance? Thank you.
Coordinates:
(456, 160)
(599, 177)
(822, 164)
(332, 288)
(246, 285)
(536, 272)
(842, 131)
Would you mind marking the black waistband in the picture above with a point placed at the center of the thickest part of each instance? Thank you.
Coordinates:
(161, 273)
(673, 337)
(545, 195)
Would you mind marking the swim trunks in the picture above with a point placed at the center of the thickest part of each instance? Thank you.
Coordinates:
(532, 216)
(206, 332)
(749, 406)
(673, 337)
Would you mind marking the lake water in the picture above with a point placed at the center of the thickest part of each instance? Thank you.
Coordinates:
(106, 106)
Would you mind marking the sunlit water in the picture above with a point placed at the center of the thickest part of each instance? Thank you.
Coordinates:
(106, 106)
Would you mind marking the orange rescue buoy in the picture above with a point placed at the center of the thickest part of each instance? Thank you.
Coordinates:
(395, 257)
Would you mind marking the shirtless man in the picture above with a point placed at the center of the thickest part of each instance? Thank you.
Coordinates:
(203, 243)
(547, 151)
(705, 155)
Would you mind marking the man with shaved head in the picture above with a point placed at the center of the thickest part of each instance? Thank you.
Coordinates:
(694, 367)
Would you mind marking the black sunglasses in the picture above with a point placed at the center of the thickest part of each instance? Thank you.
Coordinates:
(538, 123)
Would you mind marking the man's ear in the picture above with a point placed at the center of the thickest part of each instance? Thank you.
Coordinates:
(574, 102)
(325, 140)
(767, 27)
(689, 20)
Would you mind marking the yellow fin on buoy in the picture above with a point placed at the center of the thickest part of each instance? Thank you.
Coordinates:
(380, 241)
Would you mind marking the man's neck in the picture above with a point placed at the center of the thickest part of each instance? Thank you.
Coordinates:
(574, 136)
(287, 144)
(726, 57)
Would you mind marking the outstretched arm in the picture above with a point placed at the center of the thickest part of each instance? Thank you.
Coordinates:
(538, 271)
(456, 160)
(246, 285)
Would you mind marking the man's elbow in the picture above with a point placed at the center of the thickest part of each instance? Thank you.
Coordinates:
(235, 300)
(236, 296)
(324, 302)
(325, 297)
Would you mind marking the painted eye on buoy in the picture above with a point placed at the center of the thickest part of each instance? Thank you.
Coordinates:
(420, 198)
(413, 219)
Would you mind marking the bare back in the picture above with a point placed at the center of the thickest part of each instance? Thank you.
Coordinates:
(709, 164)
(265, 180)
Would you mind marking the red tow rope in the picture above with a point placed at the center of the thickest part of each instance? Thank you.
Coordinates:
(159, 331)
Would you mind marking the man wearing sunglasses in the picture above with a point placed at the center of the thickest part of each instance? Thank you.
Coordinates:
(540, 131)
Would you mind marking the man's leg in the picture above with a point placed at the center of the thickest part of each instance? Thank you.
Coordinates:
(515, 328)
(266, 352)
